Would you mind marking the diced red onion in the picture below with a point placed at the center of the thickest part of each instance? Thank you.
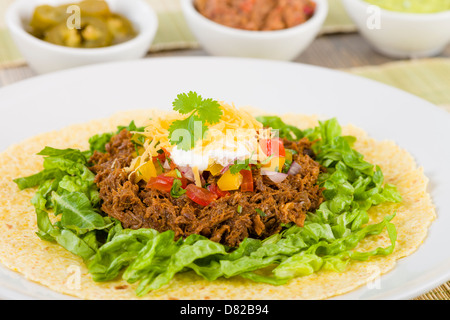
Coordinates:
(276, 177)
(202, 180)
(224, 169)
(294, 169)
(166, 165)
(187, 172)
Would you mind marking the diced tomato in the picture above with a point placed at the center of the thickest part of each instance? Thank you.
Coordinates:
(161, 156)
(164, 182)
(213, 188)
(176, 174)
(161, 183)
(183, 182)
(166, 152)
(200, 195)
(230, 181)
(273, 147)
(247, 181)
(171, 163)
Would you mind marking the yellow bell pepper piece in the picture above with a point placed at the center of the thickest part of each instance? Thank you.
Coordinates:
(147, 171)
(275, 164)
(214, 169)
(197, 180)
(289, 155)
(140, 151)
(230, 181)
(159, 167)
(172, 173)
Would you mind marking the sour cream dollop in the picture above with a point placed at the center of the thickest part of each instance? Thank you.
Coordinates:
(203, 157)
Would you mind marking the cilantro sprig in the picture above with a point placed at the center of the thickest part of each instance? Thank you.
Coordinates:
(201, 112)
(238, 166)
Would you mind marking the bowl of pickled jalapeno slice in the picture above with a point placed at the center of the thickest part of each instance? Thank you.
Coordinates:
(96, 26)
(53, 35)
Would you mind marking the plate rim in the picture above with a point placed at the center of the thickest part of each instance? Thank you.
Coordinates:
(437, 280)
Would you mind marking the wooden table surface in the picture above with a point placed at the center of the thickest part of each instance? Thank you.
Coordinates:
(336, 51)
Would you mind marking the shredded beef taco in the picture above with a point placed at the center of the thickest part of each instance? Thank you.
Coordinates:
(209, 202)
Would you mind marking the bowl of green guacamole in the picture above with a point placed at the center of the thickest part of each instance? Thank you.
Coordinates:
(403, 28)
(412, 6)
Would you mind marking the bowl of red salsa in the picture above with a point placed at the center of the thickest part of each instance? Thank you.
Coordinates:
(268, 29)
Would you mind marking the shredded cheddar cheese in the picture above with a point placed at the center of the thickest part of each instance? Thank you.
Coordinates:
(197, 180)
(234, 125)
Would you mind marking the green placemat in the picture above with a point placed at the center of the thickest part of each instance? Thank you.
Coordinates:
(173, 32)
(337, 20)
(426, 78)
(9, 54)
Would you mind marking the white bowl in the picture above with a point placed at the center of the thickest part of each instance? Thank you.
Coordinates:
(398, 34)
(220, 40)
(45, 57)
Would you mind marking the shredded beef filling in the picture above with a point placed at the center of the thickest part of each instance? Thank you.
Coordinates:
(136, 206)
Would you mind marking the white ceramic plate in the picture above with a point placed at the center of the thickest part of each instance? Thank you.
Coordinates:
(56, 100)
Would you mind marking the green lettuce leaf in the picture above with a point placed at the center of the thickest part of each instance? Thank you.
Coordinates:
(77, 213)
(99, 141)
(63, 237)
(284, 130)
(36, 179)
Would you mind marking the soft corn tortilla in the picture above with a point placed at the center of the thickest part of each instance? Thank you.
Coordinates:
(52, 266)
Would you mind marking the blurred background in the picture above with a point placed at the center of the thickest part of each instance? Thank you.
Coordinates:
(403, 43)
(339, 44)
